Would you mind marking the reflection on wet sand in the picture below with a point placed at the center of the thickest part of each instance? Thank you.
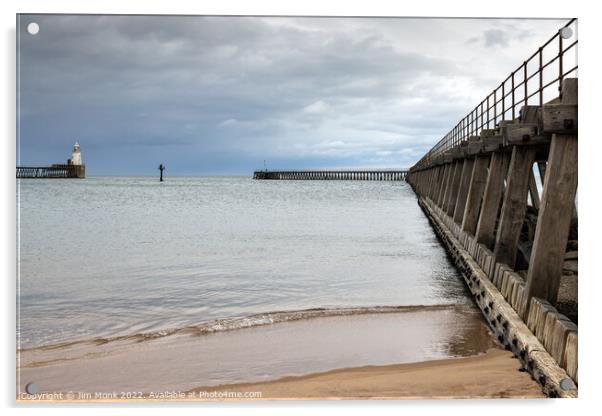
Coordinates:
(182, 361)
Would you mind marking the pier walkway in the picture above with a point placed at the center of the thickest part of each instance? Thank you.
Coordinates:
(499, 190)
(517, 250)
(328, 175)
(51, 172)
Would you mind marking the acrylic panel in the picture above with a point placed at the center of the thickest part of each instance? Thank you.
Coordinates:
(257, 208)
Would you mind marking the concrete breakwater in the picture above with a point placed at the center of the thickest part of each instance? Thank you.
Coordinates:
(478, 188)
(325, 175)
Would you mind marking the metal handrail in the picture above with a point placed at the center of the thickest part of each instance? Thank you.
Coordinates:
(486, 115)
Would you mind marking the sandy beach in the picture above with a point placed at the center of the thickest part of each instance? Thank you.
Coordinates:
(494, 374)
(260, 354)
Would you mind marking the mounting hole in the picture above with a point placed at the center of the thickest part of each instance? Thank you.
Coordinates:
(33, 28)
(566, 32)
(31, 388)
(567, 384)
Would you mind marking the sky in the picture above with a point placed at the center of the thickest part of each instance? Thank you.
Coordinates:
(219, 95)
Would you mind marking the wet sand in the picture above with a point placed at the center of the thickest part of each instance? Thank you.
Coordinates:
(382, 355)
(494, 374)
(184, 361)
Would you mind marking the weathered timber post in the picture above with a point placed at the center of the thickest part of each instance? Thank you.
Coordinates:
(437, 184)
(428, 177)
(553, 222)
(557, 203)
(491, 199)
(453, 191)
(446, 185)
(478, 180)
(443, 186)
(458, 211)
(432, 174)
(514, 206)
(428, 182)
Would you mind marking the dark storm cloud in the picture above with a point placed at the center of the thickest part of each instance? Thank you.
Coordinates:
(219, 95)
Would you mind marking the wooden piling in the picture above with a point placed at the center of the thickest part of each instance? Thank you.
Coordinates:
(555, 214)
(458, 211)
(478, 181)
(491, 199)
(514, 205)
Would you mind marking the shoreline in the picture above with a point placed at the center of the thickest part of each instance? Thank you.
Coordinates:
(262, 353)
(491, 375)
(250, 321)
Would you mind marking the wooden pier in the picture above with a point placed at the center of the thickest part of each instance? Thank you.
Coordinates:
(51, 172)
(333, 175)
(517, 251)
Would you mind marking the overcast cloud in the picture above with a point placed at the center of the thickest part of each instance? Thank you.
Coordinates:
(218, 95)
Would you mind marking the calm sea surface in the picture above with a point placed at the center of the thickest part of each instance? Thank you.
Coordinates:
(109, 256)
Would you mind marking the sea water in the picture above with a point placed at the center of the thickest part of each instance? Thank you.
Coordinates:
(107, 257)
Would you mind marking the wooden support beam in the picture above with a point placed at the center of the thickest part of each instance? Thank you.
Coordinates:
(478, 180)
(443, 187)
(491, 199)
(453, 190)
(434, 181)
(428, 179)
(555, 214)
(458, 212)
(560, 118)
(514, 205)
(450, 180)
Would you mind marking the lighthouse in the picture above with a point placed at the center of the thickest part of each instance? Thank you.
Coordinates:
(76, 155)
(76, 168)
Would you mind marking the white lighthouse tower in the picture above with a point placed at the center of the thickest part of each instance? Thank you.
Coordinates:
(76, 155)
